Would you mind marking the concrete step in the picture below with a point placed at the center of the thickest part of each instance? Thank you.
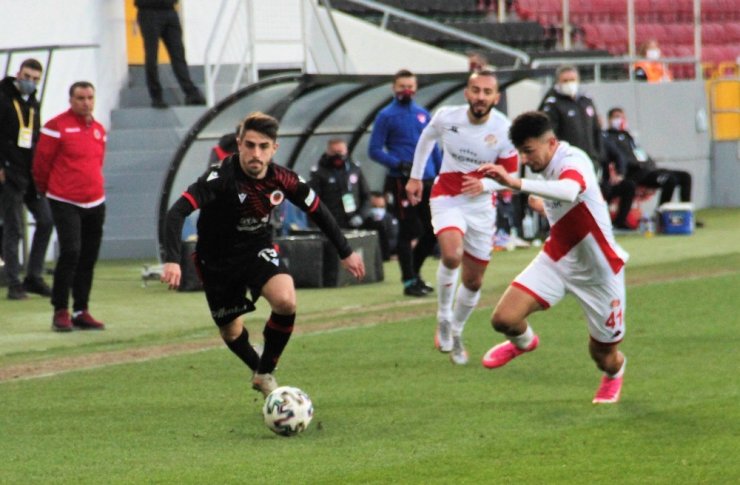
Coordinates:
(147, 117)
(146, 139)
(137, 75)
(138, 97)
(144, 162)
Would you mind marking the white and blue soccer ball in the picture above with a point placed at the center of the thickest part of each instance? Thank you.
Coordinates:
(287, 411)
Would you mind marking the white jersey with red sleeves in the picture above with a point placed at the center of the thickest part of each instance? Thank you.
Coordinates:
(466, 147)
(581, 236)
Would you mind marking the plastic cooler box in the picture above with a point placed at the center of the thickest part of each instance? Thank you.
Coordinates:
(676, 218)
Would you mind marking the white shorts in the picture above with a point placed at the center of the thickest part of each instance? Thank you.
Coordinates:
(603, 298)
(474, 217)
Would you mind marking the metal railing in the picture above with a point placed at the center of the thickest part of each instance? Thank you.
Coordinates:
(9, 52)
(520, 56)
(598, 62)
(236, 26)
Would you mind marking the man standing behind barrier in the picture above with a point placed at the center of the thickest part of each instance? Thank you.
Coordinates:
(19, 132)
(68, 168)
(573, 115)
(463, 213)
(159, 19)
(395, 133)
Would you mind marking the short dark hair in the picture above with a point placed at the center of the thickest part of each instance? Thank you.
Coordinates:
(482, 73)
(261, 123)
(566, 68)
(80, 84)
(614, 110)
(532, 124)
(403, 73)
(31, 64)
(335, 140)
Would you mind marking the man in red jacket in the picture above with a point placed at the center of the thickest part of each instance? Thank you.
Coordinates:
(68, 168)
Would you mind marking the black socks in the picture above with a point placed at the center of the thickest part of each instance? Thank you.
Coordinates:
(277, 333)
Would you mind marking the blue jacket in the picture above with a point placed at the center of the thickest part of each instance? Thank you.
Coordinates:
(395, 133)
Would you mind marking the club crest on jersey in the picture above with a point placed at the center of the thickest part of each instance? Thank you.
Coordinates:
(615, 303)
(490, 139)
(421, 117)
(97, 134)
(277, 197)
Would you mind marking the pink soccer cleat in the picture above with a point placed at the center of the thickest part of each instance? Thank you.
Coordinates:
(502, 353)
(608, 390)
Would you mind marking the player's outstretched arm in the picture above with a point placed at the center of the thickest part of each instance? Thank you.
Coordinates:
(354, 264)
(500, 175)
(171, 274)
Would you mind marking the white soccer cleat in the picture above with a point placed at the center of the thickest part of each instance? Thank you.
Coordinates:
(443, 336)
(264, 383)
(458, 355)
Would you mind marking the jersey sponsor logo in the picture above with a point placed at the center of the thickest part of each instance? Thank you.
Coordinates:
(242, 197)
(269, 255)
(277, 197)
(453, 129)
(490, 139)
(249, 224)
(310, 197)
(212, 176)
(71, 130)
(421, 117)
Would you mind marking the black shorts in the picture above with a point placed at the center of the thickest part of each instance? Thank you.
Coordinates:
(226, 280)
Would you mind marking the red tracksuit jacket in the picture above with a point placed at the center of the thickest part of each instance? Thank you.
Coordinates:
(68, 163)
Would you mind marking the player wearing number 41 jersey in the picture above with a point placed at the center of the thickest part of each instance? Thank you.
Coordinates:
(235, 253)
(580, 257)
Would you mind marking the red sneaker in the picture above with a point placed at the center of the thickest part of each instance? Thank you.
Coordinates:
(609, 390)
(61, 322)
(502, 353)
(84, 321)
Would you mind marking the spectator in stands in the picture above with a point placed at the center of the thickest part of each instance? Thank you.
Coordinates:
(68, 168)
(641, 168)
(158, 19)
(19, 131)
(651, 70)
(384, 223)
(340, 184)
(573, 115)
(614, 185)
(477, 61)
(395, 133)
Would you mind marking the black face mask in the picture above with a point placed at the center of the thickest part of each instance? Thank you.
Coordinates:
(337, 160)
(404, 96)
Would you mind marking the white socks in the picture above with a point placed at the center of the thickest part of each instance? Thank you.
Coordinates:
(524, 340)
(446, 282)
(465, 302)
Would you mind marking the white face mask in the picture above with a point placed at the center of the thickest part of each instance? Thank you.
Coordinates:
(653, 54)
(617, 123)
(569, 88)
(378, 213)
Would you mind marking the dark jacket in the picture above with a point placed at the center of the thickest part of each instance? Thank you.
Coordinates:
(331, 183)
(575, 121)
(16, 160)
(639, 163)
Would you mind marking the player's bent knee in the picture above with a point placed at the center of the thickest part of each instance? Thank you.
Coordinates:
(283, 304)
(502, 321)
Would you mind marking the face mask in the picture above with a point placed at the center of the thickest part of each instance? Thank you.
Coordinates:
(653, 54)
(618, 123)
(26, 86)
(569, 88)
(378, 213)
(337, 161)
(404, 96)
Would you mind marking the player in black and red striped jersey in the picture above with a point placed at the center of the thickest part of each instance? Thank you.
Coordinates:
(235, 252)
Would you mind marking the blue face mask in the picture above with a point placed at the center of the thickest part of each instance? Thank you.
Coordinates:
(378, 213)
(26, 86)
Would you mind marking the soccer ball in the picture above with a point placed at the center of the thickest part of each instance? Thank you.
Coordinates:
(287, 411)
